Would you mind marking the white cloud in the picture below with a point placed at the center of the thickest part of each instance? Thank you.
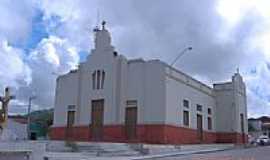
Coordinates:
(234, 10)
(13, 70)
(16, 19)
(15, 27)
(258, 106)
(34, 74)
(52, 55)
(258, 90)
(56, 52)
(75, 20)
(31, 73)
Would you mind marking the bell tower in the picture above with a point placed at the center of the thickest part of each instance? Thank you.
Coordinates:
(102, 38)
(231, 110)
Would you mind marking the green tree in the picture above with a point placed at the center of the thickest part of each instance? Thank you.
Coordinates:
(251, 128)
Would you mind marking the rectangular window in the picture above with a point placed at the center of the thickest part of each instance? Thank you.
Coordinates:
(209, 121)
(199, 107)
(186, 103)
(131, 103)
(186, 118)
(71, 107)
(209, 111)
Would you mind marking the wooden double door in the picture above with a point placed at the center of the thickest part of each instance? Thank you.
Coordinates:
(97, 119)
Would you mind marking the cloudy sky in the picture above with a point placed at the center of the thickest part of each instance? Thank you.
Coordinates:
(42, 38)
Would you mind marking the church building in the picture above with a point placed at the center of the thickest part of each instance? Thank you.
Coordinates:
(111, 98)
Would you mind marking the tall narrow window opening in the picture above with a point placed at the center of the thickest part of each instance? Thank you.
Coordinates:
(94, 80)
(98, 79)
(102, 79)
(186, 118)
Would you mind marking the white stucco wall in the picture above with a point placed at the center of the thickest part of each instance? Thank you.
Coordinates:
(146, 85)
(231, 102)
(225, 110)
(155, 107)
(240, 102)
(121, 89)
(66, 94)
(180, 87)
(135, 85)
(108, 63)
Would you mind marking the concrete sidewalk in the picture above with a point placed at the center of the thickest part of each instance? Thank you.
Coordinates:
(178, 153)
(56, 150)
(82, 156)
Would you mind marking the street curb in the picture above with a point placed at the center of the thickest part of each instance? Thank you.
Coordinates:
(179, 153)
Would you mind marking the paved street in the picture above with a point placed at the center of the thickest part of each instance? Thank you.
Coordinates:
(13, 156)
(258, 153)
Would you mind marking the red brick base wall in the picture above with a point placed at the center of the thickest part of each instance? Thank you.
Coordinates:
(179, 135)
(232, 138)
(158, 134)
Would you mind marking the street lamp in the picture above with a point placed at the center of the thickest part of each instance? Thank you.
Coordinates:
(28, 117)
(181, 54)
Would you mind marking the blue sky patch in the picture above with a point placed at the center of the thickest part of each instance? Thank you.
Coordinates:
(38, 32)
(83, 55)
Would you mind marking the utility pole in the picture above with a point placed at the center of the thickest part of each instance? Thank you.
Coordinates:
(29, 117)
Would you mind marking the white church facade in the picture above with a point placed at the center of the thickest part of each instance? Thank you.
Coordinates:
(110, 98)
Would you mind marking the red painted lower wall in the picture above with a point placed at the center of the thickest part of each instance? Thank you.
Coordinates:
(158, 134)
(232, 138)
